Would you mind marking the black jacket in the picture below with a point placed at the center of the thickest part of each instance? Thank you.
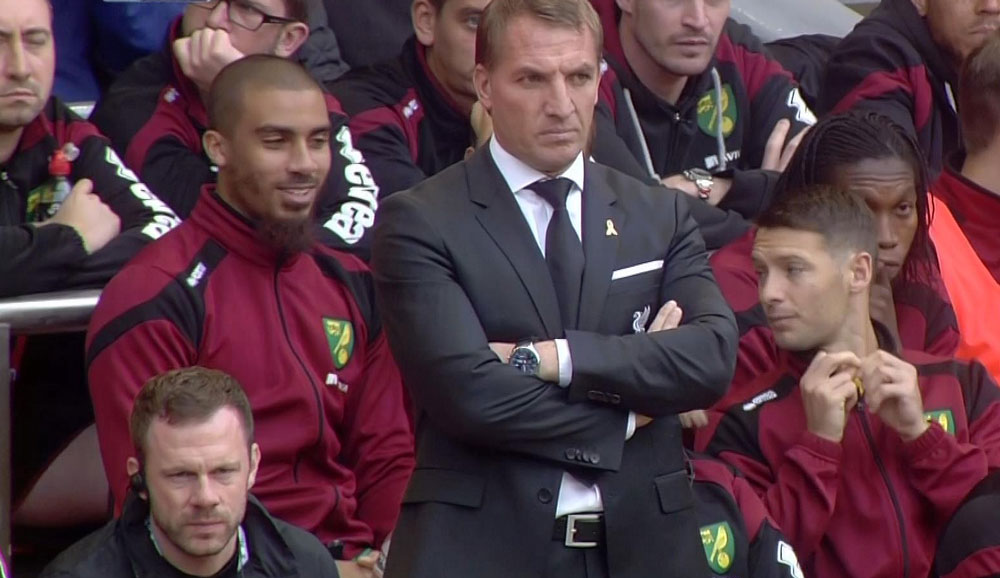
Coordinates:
(122, 549)
(890, 64)
(38, 259)
(756, 93)
(456, 267)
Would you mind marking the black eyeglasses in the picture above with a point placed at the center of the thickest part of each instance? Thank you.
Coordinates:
(244, 14)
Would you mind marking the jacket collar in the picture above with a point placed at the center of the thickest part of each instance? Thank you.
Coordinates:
(235, 232)
(796, 362)
(270, 554)
(433, 96)
(902, 16)
(498, 213)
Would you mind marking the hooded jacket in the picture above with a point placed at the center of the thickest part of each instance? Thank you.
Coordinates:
(301, 334)
(728, 140)
(123, 549)
(871, 506)
(890, 64)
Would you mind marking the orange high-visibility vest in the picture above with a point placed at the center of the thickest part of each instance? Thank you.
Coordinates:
(975, 294)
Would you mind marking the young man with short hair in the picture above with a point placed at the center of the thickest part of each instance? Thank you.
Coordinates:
(156, 111)
(243, 287)
(850, 443)
(189, 511)
(699, 102)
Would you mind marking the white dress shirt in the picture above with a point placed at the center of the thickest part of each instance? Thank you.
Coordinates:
(574, 496)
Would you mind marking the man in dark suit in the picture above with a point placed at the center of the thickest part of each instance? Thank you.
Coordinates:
(516, 290)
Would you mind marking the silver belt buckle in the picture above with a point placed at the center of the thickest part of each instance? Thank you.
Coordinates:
(571, 520)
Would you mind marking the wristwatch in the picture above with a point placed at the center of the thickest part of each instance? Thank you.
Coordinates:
(525, 357)
(703, 181)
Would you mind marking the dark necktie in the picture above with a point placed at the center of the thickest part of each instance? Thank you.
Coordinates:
(563, 250)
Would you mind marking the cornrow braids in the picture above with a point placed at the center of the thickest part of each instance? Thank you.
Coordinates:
(840, 140)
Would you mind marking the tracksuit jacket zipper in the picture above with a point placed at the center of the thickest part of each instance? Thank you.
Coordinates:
(305, 370)
(866, 426)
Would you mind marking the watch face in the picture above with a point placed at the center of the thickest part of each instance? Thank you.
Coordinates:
(524, 359)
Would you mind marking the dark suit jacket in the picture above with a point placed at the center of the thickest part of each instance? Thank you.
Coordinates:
(456, 267)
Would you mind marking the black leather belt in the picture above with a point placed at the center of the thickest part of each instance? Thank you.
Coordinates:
(579, 530)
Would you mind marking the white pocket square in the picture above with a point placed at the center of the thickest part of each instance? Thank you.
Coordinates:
(637, 269)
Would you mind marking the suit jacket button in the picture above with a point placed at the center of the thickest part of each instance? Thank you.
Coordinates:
(595, 458)
(615, 398)
(594, 395)
(544, 496)
(585, 456)
(571, 453)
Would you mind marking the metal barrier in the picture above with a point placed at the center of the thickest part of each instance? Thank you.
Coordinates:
(61, 312)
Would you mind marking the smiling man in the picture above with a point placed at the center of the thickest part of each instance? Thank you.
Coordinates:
(852, 443)
(155, 113)
(189, 511)
(242, 287)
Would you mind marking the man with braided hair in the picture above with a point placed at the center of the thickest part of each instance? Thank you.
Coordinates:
(872, 157)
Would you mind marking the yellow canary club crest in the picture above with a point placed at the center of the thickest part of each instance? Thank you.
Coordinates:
(708, 115)
(340, 336)
(717, 539)
(944, 417)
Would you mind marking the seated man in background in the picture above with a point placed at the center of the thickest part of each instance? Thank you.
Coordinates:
(699, 102)
(155, 113)
(189, 511)
(849, 442)
(411, 116)
(903, 61)
(967, 211)
(242, 287)
(70, 216)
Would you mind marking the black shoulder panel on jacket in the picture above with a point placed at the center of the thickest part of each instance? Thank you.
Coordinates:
(360, 284)
(182, 301)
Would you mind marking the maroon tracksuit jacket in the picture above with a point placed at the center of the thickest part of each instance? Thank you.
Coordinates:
(871, 506)
(302, 337)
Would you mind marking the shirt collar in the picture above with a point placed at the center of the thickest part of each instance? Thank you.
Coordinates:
(519, 175)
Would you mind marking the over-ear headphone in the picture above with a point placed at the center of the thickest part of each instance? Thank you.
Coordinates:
(138, 482)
